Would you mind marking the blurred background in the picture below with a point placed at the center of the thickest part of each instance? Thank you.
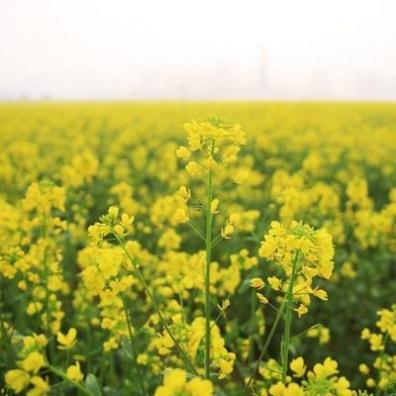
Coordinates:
(175, 49)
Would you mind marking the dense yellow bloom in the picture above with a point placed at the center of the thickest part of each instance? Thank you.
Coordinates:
(328, 165)
(175, 383)
(309, 251)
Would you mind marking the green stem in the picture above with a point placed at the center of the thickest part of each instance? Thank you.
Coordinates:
(209, 219)
(156, 307)
(288, 318)
(133, 348)
(266, 344)
(196, 230)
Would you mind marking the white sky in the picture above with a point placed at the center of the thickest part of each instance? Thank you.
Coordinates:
(231, 49)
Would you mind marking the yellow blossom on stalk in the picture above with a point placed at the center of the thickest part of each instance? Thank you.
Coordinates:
(43, 197)
(184, 192)
(113, 212)
(67, 340)
(183, 153)
(193, 168)
(241, 176)
(214, 206)
(41, 387)
(227, 231)
(274, 282)
(262, 299)
(298, 367)
(325, 370)
(301, 310)
(384, 364)
(33, 362)
(313, 251)
(17, 379)
(175, 382)
(181, 216)
(257, 283)
(119, 229)
(321, 332)
(364, 369)
(74, 372)
(280, 389)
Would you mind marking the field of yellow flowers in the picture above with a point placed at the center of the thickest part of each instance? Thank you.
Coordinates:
(197, 249)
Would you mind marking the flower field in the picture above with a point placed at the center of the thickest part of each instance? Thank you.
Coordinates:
(198, 249)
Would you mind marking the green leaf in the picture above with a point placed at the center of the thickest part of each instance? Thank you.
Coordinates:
(92, 385)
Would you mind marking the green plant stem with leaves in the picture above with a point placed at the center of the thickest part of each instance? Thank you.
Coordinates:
(266, 344)
(133, 349)
(288, 317)
(78, 385)
(208, 239)
(155, 305)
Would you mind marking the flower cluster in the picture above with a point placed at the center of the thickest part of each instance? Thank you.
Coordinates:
(303, 252)
(177, 384)
(323, 379)
(384, 365)
(31, 361)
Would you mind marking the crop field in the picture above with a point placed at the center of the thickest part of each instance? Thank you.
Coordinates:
(197, 249)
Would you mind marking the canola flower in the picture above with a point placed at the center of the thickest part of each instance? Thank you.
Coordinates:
(212, 145)
(302, 253)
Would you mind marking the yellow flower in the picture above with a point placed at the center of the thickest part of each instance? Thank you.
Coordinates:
(41, 387)
(376, 342)
(320, 293)
(183, 153)
(175, 380)
(17, 380)
(364, 369)
(262, 299)
(68, 340)
(74, 372)
(199, 387)
(180, 216)
(257, 283)
(33, 362)
(301, 310)
(241, 176)
(193, 168)
(327, 369)
(227, 231)
(113, 212)
(126, 221)
(214, 206)
(274, 282)
(298, 366)
(119, 229)
(184, 192)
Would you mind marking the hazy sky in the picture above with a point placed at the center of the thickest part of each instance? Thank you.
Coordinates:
(269, 49)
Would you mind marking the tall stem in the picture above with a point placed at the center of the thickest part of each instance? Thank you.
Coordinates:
(266, 344)
(64, 376)
(288, 317)
(133, 348)
(156, 307)
(209, 219)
